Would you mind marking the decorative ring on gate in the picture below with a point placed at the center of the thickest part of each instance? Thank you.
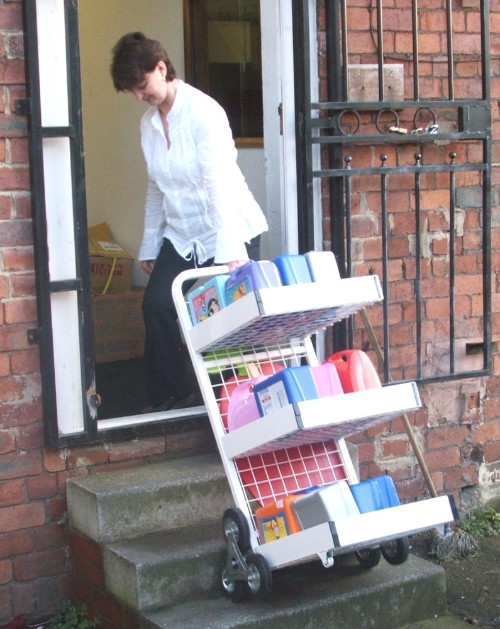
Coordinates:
(347, 127)
(423, 118)
(383, 126)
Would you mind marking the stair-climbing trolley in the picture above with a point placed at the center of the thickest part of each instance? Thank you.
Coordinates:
(279, 418)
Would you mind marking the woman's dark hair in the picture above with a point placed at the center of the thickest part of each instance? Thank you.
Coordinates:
(133, 56)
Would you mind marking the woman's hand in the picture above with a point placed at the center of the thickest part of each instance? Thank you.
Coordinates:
(234, 264)
(147, 265)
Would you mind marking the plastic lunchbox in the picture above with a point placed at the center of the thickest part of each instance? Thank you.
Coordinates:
(249, 277)
(355, 369)
(322, 266)
(293, 269)
(277, 520)
(375, 493)
(293, 384)
(327, 504)
(327, 380)
(242, 407)
(206, 300)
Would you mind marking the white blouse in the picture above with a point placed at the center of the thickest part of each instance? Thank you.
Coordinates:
(197, 196)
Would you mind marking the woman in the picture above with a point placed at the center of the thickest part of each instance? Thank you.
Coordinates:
(198, 209)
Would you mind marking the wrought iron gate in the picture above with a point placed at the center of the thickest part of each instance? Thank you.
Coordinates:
(394, 152)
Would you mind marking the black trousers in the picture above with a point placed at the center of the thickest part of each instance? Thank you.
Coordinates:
(167, 364)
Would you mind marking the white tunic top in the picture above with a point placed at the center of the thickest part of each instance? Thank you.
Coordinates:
(197, 196)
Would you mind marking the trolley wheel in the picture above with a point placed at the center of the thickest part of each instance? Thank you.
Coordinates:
(234, 589)
(235, 522)
(260, 580)
(368, 557)
(396, 551)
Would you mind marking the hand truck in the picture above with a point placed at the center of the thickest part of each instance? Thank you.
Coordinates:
(301, 445)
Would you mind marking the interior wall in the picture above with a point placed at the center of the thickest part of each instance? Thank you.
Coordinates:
(114, 165)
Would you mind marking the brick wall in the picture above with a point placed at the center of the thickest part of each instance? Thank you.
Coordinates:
(458, 428)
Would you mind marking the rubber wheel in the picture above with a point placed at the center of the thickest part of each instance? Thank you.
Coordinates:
(234, 590)
(396, 551)
(260, 581)
(368, 557)
(234, 521)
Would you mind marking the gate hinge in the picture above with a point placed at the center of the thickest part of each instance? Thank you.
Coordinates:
(22, 106)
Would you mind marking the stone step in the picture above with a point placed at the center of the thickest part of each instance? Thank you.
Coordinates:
(309, 595)
(164, 569)
(147, 499)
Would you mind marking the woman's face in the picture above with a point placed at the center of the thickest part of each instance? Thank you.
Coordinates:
(153, 90)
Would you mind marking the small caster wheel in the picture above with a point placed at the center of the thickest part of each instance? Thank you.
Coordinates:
(236, 590)
(368, 557)
(235, 524)
(260, 580)
(396, 551)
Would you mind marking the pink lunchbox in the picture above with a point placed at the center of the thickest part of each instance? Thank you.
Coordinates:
(242, 408)
(327, 380)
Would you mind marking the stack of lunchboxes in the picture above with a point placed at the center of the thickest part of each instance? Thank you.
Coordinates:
(207, 299)
(328, 503)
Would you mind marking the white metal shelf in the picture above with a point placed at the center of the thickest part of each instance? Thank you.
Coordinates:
(359, 531)
(281, 313)
(323, 418)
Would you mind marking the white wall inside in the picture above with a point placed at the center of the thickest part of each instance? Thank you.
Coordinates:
(114, 166)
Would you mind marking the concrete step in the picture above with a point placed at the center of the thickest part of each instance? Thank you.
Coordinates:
(150, 498)
(164, 569)
(309, 595)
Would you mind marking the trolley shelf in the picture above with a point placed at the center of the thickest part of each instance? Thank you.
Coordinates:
(359, 531)
(281, 313)
(324, 418)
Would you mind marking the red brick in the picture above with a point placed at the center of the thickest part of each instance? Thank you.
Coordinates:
(7, 442)
(457, 478)
(395, 447)
(20, 465)
(11, 17)
(23, 284)
(16, 232)
(5, 572)
(54, 460)
(134, 449)
(42, 564)
(21, 517)
(25, 362)
(438, 437)
(23, 205)
(16, 543)
(50, 536)
(11, 493)
(44, 486)
(20, 310)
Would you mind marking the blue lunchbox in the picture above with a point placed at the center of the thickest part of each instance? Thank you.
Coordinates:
(293, 269)
(294, 384)
(375, 493)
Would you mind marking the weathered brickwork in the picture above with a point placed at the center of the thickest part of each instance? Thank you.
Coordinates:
(458, 427)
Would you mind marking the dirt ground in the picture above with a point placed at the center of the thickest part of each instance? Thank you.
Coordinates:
(472, 583)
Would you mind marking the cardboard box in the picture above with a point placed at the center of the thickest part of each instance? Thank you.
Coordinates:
(118, 326)
(110, 264)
